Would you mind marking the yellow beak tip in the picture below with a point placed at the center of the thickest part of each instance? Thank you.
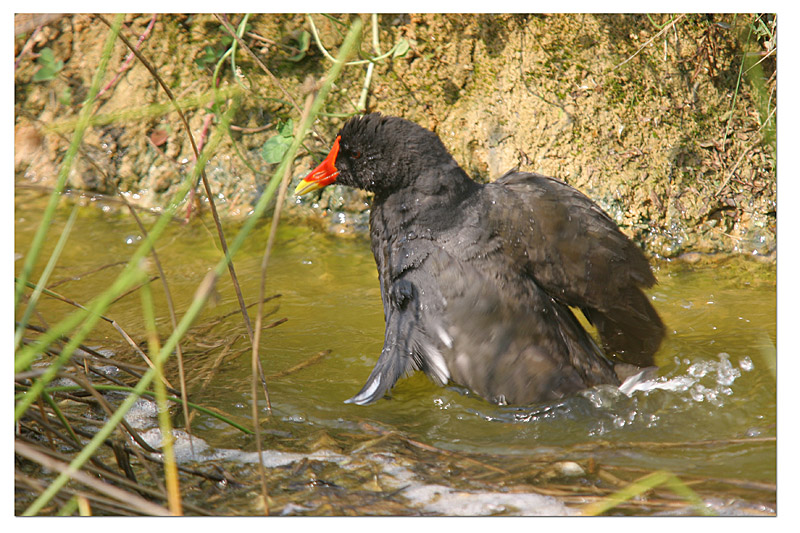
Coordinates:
(305, 187)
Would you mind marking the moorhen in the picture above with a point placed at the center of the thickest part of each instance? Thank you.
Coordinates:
(478, 280)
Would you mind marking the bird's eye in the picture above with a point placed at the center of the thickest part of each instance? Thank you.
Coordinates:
(356, 154)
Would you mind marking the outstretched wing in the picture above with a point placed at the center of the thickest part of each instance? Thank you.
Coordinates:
(578, 255)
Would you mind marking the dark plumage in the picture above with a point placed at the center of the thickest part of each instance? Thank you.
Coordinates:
(478, 280)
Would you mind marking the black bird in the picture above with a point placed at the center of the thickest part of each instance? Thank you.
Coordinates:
(477, 280)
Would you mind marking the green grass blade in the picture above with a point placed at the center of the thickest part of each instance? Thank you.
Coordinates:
(131, 274)
(147, 112)
(66, 165)
(164, 423)
(48, 269)
(642, 485)
(203, 292)
(54, 406)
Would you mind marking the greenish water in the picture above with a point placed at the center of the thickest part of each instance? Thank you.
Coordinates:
(717, 367)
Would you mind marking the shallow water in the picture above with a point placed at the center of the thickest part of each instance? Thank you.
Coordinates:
(710, 412)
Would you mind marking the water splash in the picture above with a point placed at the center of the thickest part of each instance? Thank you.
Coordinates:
(694, 388)
(703, 380)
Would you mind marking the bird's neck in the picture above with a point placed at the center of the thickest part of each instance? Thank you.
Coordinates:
(432, 201)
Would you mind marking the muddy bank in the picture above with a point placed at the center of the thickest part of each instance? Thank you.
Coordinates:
(652, 117)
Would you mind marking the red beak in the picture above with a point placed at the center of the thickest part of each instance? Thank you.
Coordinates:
(323, 175)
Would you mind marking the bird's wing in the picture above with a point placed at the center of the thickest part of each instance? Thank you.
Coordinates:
(510, 345)
(578, 255)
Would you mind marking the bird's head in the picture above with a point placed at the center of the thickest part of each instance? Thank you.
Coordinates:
(375, 153)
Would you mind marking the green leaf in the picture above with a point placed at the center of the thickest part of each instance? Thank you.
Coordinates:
(303, 41)
(44, 74)
(287, 130)
(46, 57)
(401, 48)
(48, 66)
(66, 96)
(275, 148)
(210, 56)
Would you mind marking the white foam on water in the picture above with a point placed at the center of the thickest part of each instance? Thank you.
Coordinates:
(428, 498)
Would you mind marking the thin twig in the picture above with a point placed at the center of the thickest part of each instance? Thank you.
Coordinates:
(78, 277)
(173, 320)
(246, 131)
(83, 382)
(273, 231)
(256, 363)
(27, 47)
(133, 289)
(308, 362)
(369, 427)
(128, 60)
(732, 170)
(139, 503)
(109, 506)
(651, 39)
(184, 120)
(215, 365)
(224, 21)
(88, 353)
(113, 323)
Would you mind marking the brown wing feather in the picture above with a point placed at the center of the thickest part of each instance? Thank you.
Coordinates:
(579, 256)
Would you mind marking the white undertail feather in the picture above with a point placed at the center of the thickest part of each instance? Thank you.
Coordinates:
(363, 398)
(444, 336)
(436, 364)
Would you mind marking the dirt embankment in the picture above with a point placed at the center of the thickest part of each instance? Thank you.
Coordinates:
(659, 119)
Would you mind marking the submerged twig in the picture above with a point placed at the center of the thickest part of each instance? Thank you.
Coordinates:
(133, 289)
(427, 447)
(308, 362)
(78, 277)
